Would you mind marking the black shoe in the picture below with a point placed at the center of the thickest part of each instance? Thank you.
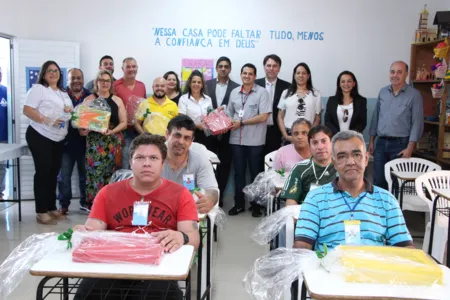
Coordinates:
(256, 213)
(235, 211)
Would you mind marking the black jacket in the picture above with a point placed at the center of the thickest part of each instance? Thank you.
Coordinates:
(211, 91)
(359, 117)
(280, 86)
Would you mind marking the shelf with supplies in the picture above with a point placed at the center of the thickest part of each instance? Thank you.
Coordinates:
(422, 63)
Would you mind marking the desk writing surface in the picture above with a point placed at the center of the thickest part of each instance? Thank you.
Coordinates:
(445, 193)
(12, 151)
(336, 288)
(406, 175)
(174, 266)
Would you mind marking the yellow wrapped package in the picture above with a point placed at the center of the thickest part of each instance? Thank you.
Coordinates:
(389, 265)
(155, 123)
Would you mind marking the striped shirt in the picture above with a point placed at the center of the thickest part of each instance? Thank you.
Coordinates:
(321, 220)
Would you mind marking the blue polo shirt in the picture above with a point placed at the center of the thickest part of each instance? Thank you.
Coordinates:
(3, 114)
(75, 144)
(321, 220)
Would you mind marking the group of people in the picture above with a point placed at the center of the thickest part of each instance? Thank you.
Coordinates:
(169, 169)
(268, 115)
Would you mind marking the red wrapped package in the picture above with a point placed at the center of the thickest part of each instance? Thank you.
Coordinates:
(123, 248)
(217, 121)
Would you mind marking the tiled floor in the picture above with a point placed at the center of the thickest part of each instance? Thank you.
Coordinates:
(233, 255)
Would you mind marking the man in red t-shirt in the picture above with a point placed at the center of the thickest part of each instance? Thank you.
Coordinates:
(126, 87)
(170, 213)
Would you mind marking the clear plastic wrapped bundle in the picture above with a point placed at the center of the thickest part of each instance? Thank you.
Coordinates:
(132, 108)
(274, 272)
(262, 190)
(116, 247)
(219, 216)
(120, 175)
(154, 122)
(380, 265)
(215, 122)
(92, 115)
(271, 226)
(23, 257)
(57, 118)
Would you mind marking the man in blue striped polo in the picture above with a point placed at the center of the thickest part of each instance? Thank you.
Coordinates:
(350, 210)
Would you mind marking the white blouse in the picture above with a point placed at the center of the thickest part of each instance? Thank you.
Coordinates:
(311, 108)
(340, 115)
(50, 104)
(193, 109)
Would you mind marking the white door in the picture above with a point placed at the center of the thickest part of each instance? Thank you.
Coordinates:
(29, 55)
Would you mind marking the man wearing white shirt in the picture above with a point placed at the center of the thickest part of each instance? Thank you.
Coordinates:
(219, 90)
(275, 87)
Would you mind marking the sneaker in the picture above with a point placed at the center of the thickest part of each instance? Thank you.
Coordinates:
(235, 211)
(256, 212)
(64, 210)
(85, 208)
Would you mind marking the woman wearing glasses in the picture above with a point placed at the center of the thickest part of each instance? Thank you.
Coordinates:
(102, 148)
(300, 101)
(46, 105)
(347, 110)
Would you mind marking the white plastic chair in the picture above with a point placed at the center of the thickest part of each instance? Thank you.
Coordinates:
(435, 180)
(268, 160)
(411, 201)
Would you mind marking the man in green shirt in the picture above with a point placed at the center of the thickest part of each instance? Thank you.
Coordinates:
(309, 174)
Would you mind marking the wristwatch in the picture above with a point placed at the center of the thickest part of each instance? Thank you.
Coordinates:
(185, 237)
(242, 123)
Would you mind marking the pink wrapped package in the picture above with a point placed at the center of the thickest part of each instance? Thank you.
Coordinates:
(132, 109)
(123, 248)
(217, 121)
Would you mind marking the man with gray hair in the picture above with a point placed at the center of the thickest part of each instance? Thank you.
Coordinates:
(350, 210)
(397, 121)
(125, 88)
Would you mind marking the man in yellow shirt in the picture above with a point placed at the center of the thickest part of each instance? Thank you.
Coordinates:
(155, 113)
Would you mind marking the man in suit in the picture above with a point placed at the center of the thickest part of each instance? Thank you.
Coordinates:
(275, 86)
(219, 90)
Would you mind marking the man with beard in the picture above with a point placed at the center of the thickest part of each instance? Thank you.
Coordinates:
(126, 87)
(188, 167)
(106, 63)
(74, 148)
(219, 90)
(158, 104)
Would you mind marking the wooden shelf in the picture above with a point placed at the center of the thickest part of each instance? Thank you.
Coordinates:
(425, 155)
(428, 44)
(429, 81)
(444, 160)
(431, 122)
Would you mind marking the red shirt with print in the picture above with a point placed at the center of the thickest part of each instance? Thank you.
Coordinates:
(169, 204)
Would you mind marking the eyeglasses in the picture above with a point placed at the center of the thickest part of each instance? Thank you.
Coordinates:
(104, 80)
(52, 71)
(345, 118)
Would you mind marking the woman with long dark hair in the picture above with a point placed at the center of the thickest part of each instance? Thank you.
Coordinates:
(194, 103)
(347, 110)
(300, 101)
(47, 106)
(173, 86)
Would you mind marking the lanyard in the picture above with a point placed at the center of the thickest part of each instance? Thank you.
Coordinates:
(314, 170)
(356, 204)
(244, 98)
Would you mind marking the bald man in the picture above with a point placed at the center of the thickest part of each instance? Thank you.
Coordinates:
(162, 108)
(397, 121)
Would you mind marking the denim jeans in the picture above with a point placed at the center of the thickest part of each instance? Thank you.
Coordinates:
(129, 135)
(65, 178)
(385, 151)
(243, 155)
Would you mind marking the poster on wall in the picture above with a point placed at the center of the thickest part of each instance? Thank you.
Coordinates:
(206, 66)
(32, 74)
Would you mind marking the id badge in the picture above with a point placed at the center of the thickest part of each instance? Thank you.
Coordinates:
(352, 232)
(140, 213)
(313, 186)
(241, 113)
(189, 181)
